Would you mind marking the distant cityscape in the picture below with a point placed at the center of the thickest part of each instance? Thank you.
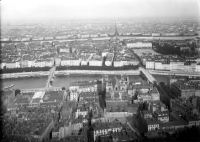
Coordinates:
(125, 103)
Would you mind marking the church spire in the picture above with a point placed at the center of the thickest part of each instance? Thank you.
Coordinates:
(116, 31)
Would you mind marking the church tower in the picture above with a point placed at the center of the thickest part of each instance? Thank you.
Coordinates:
(116, 34)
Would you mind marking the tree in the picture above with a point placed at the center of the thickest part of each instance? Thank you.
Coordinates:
(51, 82)
(4, 108)
(136, 95)
(63, 88)
(17, 91)
(70, 50)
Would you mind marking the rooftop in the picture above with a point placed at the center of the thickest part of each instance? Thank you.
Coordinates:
(106, 125)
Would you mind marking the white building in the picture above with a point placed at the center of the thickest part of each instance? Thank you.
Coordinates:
(65, 63)
(37, 38)
(132, 62)
(30, 63)
(64, 50)
(104, 54)
(85, 36)
(155, 95)
(48, 38)
(108, 63)
(105, 131)
(3, 65)
(158, 66)
(74, 95)
(39, 64)
(125, 63)
(197, 68)
(57, 61)
(139, 45)
(95, 63)
(25, 39)
(103, 35)
(146, 97)
(37, 97)
(172, 66)
(26, 63)
(163, 117)
(87, 88)
(61, 37)
(153, 126)
(118, 64)
(84, 62)
(17, 64)
(81, 113)
(93, 35)
(166, 67)
(170, 34)
(49, 63)
(4, 39)
(150, 65)
(176, 66)
(12, 65)
(155, 34)
(73, 62)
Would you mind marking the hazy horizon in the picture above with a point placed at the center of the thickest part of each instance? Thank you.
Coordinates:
(43, 10)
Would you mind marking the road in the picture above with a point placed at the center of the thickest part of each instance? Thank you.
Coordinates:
(100, 72)
(51, 75)
(134, 130)
(148, 75)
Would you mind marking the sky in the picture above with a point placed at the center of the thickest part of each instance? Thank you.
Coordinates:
(12, 10)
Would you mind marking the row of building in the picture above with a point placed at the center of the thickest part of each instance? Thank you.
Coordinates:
(54, 38)
(27, 64)
(136, 45)
(92, 60)
(171, 34)
(70, 36)
(187, 88)
(31, 115)
(184, 109)
(172, 65)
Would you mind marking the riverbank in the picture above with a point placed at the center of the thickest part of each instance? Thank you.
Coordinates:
(94, 72)
(176, 73)
(69, 72)
(24, 74)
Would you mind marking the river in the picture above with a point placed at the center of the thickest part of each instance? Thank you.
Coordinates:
(62, 81)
